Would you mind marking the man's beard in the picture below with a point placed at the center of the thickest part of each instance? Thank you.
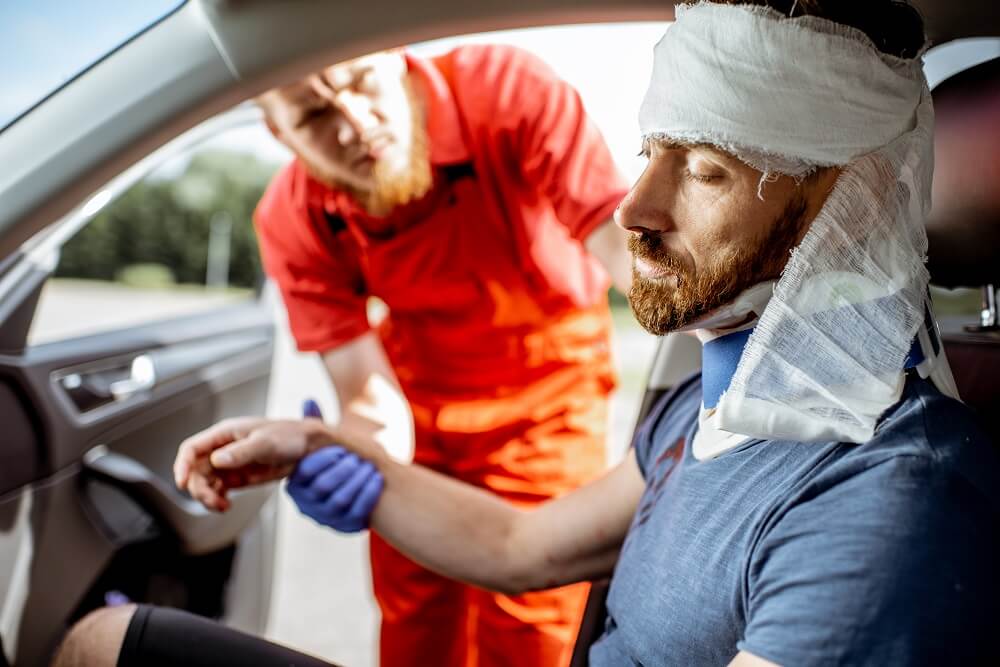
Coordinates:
(661, 308)
(394, 187)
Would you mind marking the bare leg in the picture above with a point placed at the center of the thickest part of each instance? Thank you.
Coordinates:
(96, 640)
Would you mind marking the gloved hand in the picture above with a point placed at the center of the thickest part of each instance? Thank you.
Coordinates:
(335, 487)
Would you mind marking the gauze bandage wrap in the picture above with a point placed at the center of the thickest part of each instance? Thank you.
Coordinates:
(787, 96)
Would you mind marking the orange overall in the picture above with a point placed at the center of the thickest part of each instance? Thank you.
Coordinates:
(497, 329)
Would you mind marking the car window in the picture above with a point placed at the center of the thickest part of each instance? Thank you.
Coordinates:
(46, 43)
(177, 242)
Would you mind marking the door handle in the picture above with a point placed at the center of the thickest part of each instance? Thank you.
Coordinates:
(101, 383)
(97, 387)
(142, 377)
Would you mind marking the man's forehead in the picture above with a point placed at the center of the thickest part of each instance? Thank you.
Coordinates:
(343, 73)
(338, 76)
(665, 143)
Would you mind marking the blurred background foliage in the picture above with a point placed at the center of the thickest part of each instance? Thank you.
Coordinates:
(157, 232)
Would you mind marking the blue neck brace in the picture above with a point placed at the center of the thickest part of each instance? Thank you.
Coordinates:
(719, 359)
(721, 356)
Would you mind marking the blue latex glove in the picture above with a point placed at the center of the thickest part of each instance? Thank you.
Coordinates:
(334, 487)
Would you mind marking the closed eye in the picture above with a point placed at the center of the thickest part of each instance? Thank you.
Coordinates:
(699, 178)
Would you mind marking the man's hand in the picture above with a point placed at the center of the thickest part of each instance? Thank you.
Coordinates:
(251, 450)
(241, 452)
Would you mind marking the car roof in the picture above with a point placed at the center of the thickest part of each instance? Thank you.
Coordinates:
(212, 54)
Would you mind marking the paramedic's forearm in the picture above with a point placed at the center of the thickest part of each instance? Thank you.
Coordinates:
(367, 386)
(357, 368)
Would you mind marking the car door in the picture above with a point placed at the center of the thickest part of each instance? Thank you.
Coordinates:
(97, 389)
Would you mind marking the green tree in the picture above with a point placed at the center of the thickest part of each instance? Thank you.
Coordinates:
(167, 221)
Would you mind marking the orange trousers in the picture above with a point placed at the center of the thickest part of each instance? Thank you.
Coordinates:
(527, 447)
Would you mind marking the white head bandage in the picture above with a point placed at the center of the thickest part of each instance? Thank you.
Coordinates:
(787, 96)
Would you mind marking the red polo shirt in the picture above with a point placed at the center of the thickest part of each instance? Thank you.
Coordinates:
(486, 277)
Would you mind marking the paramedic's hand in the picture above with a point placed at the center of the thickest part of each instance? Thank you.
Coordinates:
(241, 452)
(336, 488)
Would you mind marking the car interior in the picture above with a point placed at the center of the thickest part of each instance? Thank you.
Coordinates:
(91, 424)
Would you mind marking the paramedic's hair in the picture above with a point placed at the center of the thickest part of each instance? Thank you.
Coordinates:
(894, 26)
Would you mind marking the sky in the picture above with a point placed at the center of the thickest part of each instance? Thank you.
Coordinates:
(44, 43)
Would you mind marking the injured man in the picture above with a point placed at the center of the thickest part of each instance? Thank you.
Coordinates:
(817, 494)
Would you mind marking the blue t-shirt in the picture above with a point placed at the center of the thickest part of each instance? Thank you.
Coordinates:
(812, 554)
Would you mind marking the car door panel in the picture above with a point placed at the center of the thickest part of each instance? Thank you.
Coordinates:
(209, 356)
(212, 366)
(19, 455)
(82, 481)
(57, 549)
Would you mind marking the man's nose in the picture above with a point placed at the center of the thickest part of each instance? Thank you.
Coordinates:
(356, 111)
(645, 208)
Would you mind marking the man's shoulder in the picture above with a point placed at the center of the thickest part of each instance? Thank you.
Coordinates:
(487, 63)
(290, 213)
(934, 443)
(927, 423)
(287, 195)
(490, 81)
(898, 530)
(681, 400)
(670, 418)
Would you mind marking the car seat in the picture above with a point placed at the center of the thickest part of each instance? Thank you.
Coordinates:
(964, 230)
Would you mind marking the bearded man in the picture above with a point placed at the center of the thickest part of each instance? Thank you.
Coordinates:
(816, 495)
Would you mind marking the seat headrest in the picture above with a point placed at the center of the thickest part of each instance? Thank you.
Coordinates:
(964, 225)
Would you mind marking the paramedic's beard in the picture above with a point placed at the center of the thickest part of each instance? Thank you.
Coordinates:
(662, 305)
(394, 187)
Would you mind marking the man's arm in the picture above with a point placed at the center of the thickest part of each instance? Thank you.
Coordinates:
(468, 534)
(367, 386)
(607, 243)
(453, 528)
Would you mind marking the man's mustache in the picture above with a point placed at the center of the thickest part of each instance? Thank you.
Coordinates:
(649, 247)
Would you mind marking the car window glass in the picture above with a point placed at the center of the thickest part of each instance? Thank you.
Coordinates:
(46, 43)
(178, 242)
